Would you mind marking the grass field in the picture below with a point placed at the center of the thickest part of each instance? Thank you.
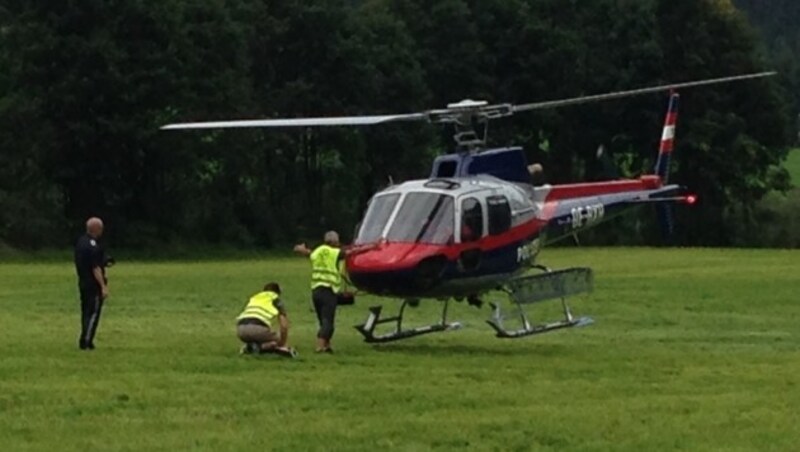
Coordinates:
(691, 350)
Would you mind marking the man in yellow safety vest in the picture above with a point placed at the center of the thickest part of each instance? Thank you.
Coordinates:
(326, 284)
(254, 324)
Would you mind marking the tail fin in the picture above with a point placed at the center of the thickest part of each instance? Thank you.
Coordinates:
(667, 138)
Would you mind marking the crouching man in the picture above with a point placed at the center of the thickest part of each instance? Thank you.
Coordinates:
(254, 324)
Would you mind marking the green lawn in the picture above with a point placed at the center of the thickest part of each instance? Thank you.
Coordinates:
(691, 350)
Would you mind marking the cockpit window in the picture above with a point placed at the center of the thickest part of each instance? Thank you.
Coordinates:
(378, 213)
(471, 220)
(499, 213)
(424, 218)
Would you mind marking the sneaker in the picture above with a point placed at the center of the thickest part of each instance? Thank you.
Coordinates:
(287, 352)
(250, 348)
(325, 350)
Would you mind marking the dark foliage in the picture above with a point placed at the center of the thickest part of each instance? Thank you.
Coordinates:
(85, 85)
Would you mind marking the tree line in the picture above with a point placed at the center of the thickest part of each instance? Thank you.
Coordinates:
(85, 86)
(776, 22)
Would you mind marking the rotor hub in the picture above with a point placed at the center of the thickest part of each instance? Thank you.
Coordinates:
(471, 121)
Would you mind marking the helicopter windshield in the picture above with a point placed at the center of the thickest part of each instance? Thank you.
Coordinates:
(378, 213)
(424, 218)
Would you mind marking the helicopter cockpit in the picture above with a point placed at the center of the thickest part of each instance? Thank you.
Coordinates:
(445, 211)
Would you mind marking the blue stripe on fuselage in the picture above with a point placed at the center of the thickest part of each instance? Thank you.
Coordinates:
(582, 209)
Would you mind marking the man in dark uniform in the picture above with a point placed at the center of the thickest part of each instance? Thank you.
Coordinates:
(90, 263)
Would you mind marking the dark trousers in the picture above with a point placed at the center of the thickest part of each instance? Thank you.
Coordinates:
(325, 304)
(91, 307)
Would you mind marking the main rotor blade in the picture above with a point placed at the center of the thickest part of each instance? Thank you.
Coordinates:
(301, 122)
(635, 92)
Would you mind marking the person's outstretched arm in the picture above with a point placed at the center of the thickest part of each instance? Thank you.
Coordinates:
(301, 248)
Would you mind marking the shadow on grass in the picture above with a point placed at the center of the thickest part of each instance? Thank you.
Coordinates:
(494, 349)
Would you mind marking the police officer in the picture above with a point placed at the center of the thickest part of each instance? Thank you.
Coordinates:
(254, 324)
(90, 263)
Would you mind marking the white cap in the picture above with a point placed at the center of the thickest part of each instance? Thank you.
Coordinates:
(331, 237)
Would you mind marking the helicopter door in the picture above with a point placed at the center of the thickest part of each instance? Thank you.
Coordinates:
(499, 213)
(470, 231)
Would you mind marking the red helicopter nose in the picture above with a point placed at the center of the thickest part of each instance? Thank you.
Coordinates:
(397, 269)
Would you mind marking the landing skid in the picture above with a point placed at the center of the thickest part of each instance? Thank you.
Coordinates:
(374, 319)
(521, 291)
(496, 322)
(547, 286)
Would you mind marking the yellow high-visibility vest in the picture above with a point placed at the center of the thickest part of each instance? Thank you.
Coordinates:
(262, 307)
(324, 268)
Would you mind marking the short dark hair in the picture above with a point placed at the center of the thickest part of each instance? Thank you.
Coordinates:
(272, 287)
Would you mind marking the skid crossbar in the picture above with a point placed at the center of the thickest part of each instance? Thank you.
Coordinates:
(367, 329)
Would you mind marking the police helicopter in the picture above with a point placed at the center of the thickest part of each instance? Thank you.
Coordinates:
(477, 224)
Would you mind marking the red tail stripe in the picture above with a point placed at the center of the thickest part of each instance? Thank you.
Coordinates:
(599, 188)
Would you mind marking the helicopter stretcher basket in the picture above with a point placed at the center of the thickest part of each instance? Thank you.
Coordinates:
(532, 289)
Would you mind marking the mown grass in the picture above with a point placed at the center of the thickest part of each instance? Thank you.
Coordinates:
(691, 350)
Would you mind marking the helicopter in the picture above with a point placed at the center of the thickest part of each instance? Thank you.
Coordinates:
(476, 225)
